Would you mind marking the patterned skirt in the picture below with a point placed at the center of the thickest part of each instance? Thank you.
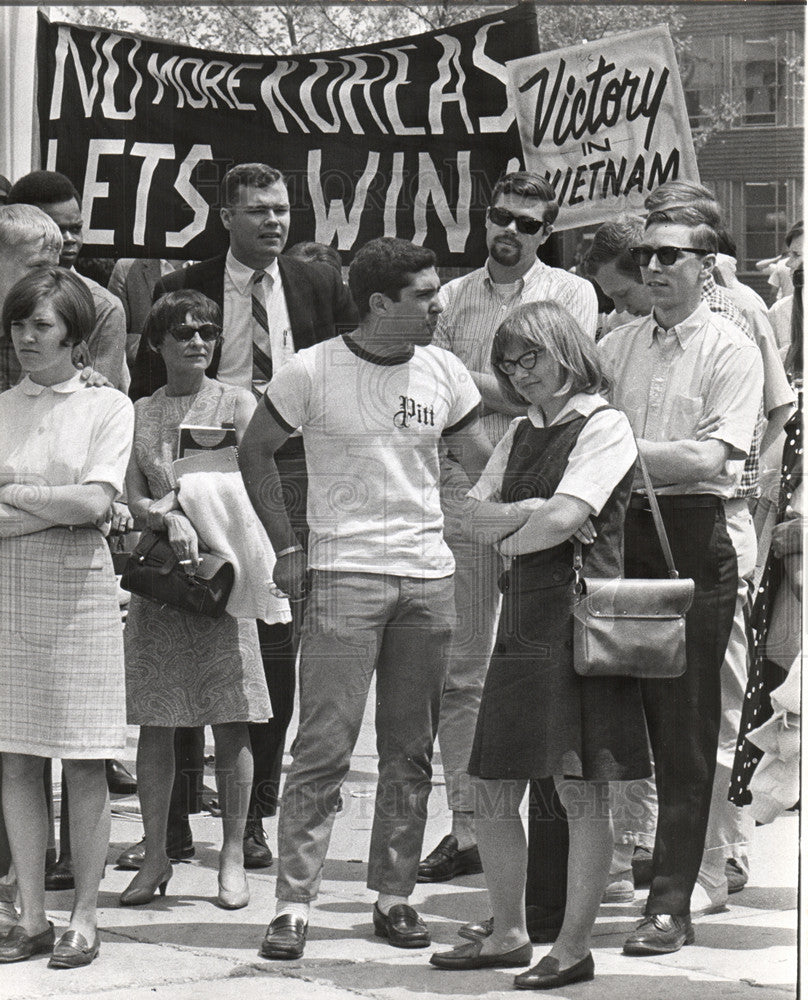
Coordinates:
(61, 646)
(189, 670)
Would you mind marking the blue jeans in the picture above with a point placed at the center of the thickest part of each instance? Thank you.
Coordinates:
(356, 623)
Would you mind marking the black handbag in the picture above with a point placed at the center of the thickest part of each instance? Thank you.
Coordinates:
(631, 628)
(153, 571)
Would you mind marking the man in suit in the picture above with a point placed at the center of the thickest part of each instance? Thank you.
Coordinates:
(133, 280)
(273, 306)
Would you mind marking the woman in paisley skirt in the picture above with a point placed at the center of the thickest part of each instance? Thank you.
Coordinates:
(63, 454)
(184, 669)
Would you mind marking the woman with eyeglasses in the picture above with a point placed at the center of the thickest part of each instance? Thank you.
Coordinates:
(63, 454)
(573, 457)
(184, 669)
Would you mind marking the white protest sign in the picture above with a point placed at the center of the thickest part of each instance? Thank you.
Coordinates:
(605, 122)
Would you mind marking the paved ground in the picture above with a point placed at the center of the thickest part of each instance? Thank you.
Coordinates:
(185, 948)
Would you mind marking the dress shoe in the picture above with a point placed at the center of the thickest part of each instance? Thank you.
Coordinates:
(468, 956)
(547, 975)
(119, 780)
(660, 934)
(401, 925)
(177, 848)
(16, 946)
(60, 875)
(642, 864)
(233, 899)
(736, 876)
(447, 861)
(256, 850)
(620, 888)
(474, 931)
(72, 951)
(140, 891)
(285, 937)
(538, 929)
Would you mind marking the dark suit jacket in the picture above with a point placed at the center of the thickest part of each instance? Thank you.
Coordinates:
(319, 306)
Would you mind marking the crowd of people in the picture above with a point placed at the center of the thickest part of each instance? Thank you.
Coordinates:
(418, 469)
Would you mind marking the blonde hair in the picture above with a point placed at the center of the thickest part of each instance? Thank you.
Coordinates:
(24, 224)
(548, 325)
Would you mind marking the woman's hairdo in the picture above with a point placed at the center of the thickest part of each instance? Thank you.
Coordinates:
(65, 291)
(171, 309)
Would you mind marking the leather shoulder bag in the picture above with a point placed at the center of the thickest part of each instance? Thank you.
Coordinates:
(631, 628)
(153, 571)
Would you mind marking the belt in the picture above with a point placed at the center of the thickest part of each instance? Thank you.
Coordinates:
(683, 501)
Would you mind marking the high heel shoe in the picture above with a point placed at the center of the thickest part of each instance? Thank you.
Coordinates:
(233, 899)
(137, 893)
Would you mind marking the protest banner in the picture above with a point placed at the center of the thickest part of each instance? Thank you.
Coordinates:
(605, 122)
(401, 138)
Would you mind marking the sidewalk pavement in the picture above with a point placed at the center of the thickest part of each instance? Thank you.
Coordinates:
(183, 947)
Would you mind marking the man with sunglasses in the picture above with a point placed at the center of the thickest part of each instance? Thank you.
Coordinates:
(690, 383)
(273, 306)
(519, 221)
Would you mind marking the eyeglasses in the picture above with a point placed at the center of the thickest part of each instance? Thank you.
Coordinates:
(665, 255)
(524, 223)
(527, 361)
(209, 332)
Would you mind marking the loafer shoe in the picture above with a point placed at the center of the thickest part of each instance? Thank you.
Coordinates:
(177, 850)
(660, 934)
(736, 876)
(402, 926)
(447, 861)
(16, 946)
(72, 951)
(642, 865)
(285, 937)
(60, 876)
(468, 956)
(538, 930)
(119, 780)
(256, 850)
(547, 975)
(8, 916)
(474, 931)
(620, 888)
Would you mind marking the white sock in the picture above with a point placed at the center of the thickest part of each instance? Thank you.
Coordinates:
(293, 909)
(386, 901)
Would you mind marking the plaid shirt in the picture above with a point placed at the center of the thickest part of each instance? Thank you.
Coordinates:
(10, 371)
(720, 302)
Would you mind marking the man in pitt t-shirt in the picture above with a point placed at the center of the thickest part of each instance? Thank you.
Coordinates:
(373, 407)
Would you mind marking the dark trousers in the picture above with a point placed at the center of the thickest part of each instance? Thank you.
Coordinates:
(684, 713)
(548, 848)
(278, 651)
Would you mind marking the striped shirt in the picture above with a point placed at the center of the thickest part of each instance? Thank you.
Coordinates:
(474, 306)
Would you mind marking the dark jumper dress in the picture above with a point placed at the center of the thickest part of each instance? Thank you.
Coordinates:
(538, 717)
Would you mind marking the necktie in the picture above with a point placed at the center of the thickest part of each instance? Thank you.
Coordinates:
(262, 350)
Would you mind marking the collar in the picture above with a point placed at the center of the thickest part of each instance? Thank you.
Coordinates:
(519, 282)
(685, 330)
(387, 360)
(582, 404)
(35, 389)
(242, 276)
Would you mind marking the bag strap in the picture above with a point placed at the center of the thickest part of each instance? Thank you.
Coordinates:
(658, 522)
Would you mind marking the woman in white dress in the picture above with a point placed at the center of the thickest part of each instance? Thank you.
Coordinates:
(63, 454)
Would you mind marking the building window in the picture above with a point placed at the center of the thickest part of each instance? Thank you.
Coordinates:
(765, 219)
(700, 69)
(759, 76)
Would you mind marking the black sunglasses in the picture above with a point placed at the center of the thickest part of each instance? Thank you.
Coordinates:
(665, 255)
(527, 361)
(524, 224)
(185, 331)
